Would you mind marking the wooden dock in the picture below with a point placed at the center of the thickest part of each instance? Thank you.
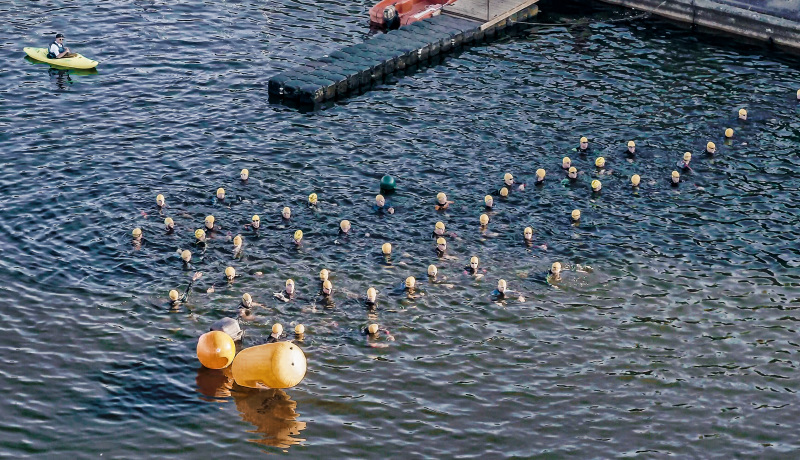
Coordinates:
(354, 69)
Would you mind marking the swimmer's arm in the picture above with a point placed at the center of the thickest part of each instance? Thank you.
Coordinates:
(185, 295)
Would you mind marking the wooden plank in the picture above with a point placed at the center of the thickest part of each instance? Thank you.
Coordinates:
(487, 11)
(504, 16)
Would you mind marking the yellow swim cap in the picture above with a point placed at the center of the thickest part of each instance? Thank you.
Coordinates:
(488, 199)
(230, 272)
(298, 235)
(277, 329)
(573, 169)
(220, 193)
(256, 218)
(631, 144)
(439, 225)
(209, 220)
(503, 191)
(323, 274)
(676, 174)
(441, 241)
(540, 173)
(501, 284)
(508, 177)
(312, 198)
(237, 240)
(244, 174)
(635, 179)
(596, 185)
(484, 219)
(186, 255)
(687, 156)
(441, 197)
(299, 329)
(729, 133)
(386, 248)
(432, 270)
(556, 267)
(286, 210)
(583, 139)
(372, 293)
(327, 285)
(742, 112)
(473, 260)
(576, 214)
(373, 328)
(199, 234)
(527, 231)
(410, 282)
(378, 197)
(600, 162)
(289, 281)
(566, 160)
(246, 298)
(137, 232)
(173, 295)
(169, 222)
(344, 225)
(160, 200)
(711, 146)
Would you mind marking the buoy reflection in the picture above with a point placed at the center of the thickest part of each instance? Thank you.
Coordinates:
(273, 414)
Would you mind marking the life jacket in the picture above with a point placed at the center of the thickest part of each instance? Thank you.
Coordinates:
(50, 54)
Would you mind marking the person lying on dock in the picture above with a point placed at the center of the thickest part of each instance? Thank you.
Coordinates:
(57, 50)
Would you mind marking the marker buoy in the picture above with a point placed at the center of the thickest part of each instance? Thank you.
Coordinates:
(387, 184)
(215, 350)
(273, 365)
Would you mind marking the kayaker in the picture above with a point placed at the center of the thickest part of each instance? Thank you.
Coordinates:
(57, 50)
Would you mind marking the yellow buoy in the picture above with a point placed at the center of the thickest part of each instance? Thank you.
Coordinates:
(273, 365)
(215, 350)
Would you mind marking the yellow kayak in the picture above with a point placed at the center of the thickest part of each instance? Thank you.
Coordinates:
(78, 62)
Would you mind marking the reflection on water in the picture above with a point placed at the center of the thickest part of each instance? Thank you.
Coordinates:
(273, 414)
(214, 383)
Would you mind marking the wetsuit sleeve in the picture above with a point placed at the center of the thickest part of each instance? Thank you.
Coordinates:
(185, 296)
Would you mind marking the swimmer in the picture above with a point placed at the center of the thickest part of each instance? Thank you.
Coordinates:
(288, 291)
(286, 213)
(200, 236)
(572, 174)
(540, 173)
(244, 174)
(372, 298)
(186, 257)
(527, 235)
(675, 179)
(488, 202)
(508, 180)
(299, 330)
(441, 202)
(600, 163)
(635, 180)
(554, 274)
(409, 287)
(297, 238)
(472, 268)
(381, 205)
(221, 194)
(312, 200)
(237, 245)
(441, 247)
(137, 235)
(210, 226)
(729, 133)
(323, 276)
(438, 230)
(161, 202)
(684, 164)
(386, 249)
(176, 299)
(502, 292)
(711, 148)
(576, 215)
(631, 150)
(344, 227)
(742, 114)
(327, 288)
(798, 94)
(230, 274)
(245, 309)
(432, 272)
(583, 146)
(504, 192)
(169, 224)
(484, 221)
(255, 222)
(596, 185)
(566, 163)
(371, 334)
(277, 331)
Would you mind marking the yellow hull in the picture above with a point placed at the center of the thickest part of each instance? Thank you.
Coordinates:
(78, 62)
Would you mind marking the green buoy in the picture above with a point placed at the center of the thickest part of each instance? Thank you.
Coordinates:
(387, 184)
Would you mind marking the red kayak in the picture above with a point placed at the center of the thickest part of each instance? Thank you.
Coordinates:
(391, 14)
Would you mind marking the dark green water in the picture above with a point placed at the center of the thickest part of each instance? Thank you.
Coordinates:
(682, 340)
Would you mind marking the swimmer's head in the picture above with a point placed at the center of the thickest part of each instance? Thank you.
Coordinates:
(230, 273)
(540, 173)
(344, 226)
(160, 201)
(173, 295)
(323, 274)
(439, 228)
(380, 200)
(631, 146)
(312, 199)
(237, 240)
(484, 219)
(244, 174)
(798, 94)
(676, 177)
(584, 143)
(441, 198)
(327, 287)
(441, 244)
(501, 286)
(729, 133)
(247, 300)
(277, 329)
(209, 222)
(508, 179)
(573, 172)
(635, 180)
(289, 286)
(386, 249)
(186, 255)
(687, 157)
(742, 114)
(504, 192)
(298, 236)
(411, 282)
(488, 201)
(528, 233)
(372, 294)
(372, 329)
(286, 212)
(600, 162)
(432, 270)
(137, 233)
(473, 263)
(576, 214)
(711, 148)
(596, 185)
(220, 193)
(555, 268)
(566, 163)
(299, 329)
(255, 221)
(169, 224)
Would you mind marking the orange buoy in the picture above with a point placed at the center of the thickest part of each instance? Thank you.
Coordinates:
(215, 350)
(273, 365)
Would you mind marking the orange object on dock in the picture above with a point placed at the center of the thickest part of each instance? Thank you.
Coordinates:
(391, 14)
